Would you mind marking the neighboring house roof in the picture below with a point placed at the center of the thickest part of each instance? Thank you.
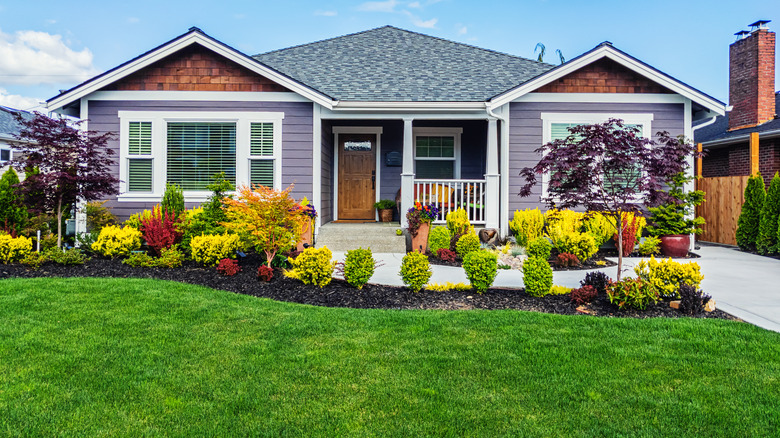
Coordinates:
(9, 127)
(389, 64)
(718, 133)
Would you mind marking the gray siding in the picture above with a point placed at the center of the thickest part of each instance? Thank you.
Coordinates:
(525, 136)
(297, 137)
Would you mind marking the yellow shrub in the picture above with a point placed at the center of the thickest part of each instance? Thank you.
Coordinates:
(209, 249)
(599, 226)
(115, 241)
(314, 266)
(527, 225)
(14, 249)
(582, 245)
(568, 220)
(559, 290)
(665, 276)
(135, 220)
(458, 222)
(641, 222)
(448, 286)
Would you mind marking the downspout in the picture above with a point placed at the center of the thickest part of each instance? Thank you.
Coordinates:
(503, 219)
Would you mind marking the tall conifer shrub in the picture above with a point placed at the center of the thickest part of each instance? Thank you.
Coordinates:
(767, 229)
(749, 219)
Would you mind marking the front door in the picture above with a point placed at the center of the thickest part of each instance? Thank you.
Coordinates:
(357, 176)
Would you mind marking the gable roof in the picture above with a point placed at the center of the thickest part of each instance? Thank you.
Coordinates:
(8, 124)
(389, 64)
(717, 132)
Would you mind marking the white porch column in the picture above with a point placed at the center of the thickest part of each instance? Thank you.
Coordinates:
(81, 206)
(407, 173)
(492, 177)
(316, 183)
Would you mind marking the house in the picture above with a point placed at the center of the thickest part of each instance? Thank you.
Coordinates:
(753, 118)
(362, 117)
(9, 128)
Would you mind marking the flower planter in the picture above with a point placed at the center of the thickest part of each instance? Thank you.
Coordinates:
(306, 234)
(386, 215)
(675, 245)
(420, 241)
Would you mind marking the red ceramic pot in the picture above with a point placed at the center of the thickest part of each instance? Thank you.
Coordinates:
(675, 245)
(420, 241)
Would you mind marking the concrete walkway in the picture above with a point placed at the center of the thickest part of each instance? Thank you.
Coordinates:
(745, 285)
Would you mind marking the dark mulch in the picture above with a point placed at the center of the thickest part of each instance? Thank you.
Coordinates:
(341, 294)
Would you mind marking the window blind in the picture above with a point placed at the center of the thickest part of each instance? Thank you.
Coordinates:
(261, 151)
(139, 175)
(140, 138)
(198, 150)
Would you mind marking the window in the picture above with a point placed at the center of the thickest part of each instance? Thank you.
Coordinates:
(5, 155)
(437, 153)
(555, 126)
(188, 148)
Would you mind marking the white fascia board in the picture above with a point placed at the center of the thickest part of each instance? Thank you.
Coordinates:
(612, 54)
(220, 96)
(601, 98)
(400, 115)
(409, 106)
(175, 46)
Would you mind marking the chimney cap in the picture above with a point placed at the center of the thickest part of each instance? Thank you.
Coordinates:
(760, 24)
(742, 34)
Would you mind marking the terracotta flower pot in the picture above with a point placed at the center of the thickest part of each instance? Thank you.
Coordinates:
(420, 241)
(675, 245)
(386, 215)
(305, 235)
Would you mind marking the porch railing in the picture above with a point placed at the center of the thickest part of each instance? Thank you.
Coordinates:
(450, 194)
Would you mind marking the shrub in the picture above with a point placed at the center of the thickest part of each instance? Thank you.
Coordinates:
(567, 260)
(447, 255)
(359, 267)
(630, 225)
(173, 200)
(13, 249)
(228, 267)
(161, 230)
(170, 258)
(631, 293)
(34, 259)
(265, 273)
(598, 280)
(539, 247)
(438, 238)
(768, 225)
(582, 245)
(139, 260)
(567, 220)
(446, 287)
(454, 242)
(650, 246)
(467, 243)
(583, 295)
(114, 241)
(458, 222)
(527, 225)
(415, 271)
(664, 277)
(559, 290)
(537, 276)
(98, 216)
(135, 219)
(314, 266)
(67, 257)
(598, 226)
(481, 268)
(692, 299)
(13, 213)
(750, 217)
(210, 249)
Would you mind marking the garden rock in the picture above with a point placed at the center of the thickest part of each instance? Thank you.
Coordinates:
(710, 306)
(514, 262)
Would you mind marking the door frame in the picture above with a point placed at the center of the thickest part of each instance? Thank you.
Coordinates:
(377, 131)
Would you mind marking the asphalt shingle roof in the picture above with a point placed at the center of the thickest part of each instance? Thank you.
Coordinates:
(718, 130)
(8, 124)
(389, 64)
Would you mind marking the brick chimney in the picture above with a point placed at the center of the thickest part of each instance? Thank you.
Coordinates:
(752, 77)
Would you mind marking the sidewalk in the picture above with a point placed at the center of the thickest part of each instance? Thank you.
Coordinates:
(745, 285)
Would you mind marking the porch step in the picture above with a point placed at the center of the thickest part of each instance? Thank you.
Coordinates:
(379, 236)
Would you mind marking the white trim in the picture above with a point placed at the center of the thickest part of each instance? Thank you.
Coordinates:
(316, 173)
(160, 120)
(611, 53)
(410, 113)
(601, 98)
(644, 119)
(376, 130)
(690, 185)
(179, 44)
(395, 106)
(215, 96)
(81, 212)
(454, 132)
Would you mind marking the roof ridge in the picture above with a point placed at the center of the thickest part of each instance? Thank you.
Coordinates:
(321, 41)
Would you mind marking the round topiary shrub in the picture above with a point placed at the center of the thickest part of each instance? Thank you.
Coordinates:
(481, 268)
(540, 247)
(359, 267)
(415, 271)
(467, 243)
(438, 238)
(537, 276)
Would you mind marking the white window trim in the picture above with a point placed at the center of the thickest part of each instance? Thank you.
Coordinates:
(439, 132)
(160, 121)
(643, 119)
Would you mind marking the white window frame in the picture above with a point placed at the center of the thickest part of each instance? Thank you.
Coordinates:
(643, 119)
(439, 132)
(160, 120)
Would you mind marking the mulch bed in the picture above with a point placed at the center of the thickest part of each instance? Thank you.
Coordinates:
(341, 294)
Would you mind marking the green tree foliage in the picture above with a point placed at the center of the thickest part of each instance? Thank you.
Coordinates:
(13, 213)
(173, 200)
(767, 228)
(749, 219)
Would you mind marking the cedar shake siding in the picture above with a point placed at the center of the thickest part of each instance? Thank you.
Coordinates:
(297, 137)
(525, 136)
(603, 76)
(195, 68)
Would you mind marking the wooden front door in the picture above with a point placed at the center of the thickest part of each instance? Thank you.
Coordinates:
(357, 176)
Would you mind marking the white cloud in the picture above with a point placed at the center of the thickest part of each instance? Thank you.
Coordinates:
(427, 24)
(31, 57)
(382, 6)
(16, 101)
(414, 5)
(326, 13)
(462, 30)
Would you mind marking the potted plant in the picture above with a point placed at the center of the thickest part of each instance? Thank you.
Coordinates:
(419, 218)
(674, 220)
(385, 209)
(308, 216)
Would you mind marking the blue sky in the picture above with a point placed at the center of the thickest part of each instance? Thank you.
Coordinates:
(51, 45)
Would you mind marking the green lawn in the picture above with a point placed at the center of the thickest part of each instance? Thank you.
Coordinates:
(105, 357)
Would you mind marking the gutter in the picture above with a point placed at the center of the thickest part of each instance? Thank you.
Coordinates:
(743, 137)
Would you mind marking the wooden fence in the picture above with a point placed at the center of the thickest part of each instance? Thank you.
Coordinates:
(722, 204)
